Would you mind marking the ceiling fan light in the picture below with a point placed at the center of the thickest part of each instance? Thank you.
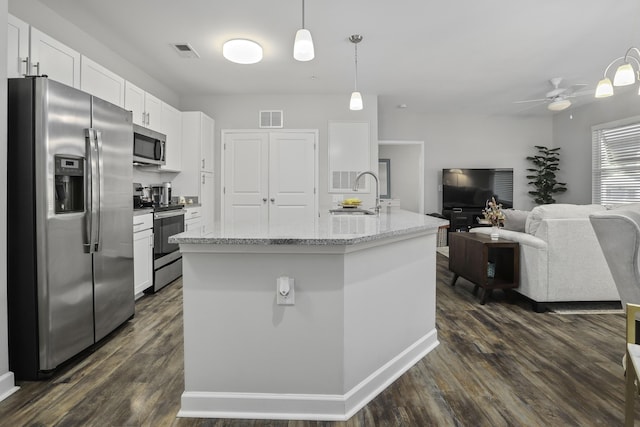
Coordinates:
(356, 102)
(624, 75)
(604, 88)
(242, 51)
(559, 105)
(303, 46)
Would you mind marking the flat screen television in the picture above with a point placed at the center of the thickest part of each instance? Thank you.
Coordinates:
(471, 188)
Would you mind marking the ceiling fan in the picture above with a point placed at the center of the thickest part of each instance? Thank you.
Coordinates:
(558, 98)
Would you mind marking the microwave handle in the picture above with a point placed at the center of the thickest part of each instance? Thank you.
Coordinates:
(162, 143)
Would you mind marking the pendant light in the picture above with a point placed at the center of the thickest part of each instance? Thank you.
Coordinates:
(356, 98)
(303, 45)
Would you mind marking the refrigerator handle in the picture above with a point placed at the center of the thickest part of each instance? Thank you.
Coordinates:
(90, 191)
(98, 242)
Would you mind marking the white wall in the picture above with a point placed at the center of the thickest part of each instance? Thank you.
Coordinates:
(300, 112)
(404, 165)
(7, 384)
(573, 135)
(469, 141)
(35, 13)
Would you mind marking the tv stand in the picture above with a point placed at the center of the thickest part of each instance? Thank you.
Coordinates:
(462, 219)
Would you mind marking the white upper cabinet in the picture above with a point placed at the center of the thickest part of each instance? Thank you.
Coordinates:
(101, 82)
(51, 58)
(171, 126)
(206, 143)
(146, 108)
(17, 47)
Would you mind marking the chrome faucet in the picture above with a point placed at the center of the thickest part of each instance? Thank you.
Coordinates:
(355, 187)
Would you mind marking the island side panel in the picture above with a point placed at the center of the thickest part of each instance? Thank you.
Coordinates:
(389, 309)
(238, 340)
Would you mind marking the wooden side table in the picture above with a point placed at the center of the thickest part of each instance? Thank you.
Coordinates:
(470, 255)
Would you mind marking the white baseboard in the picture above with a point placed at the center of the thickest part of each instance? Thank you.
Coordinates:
(7, 385)
(313, 407)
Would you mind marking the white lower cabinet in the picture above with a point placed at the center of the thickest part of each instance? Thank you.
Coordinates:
(192, 218)
(142, 253)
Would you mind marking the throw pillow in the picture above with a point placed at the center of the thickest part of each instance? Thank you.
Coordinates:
(515, 220)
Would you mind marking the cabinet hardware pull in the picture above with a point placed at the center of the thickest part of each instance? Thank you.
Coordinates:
(26, 66)
(37, 67)
(138, 223)
(202, 163)
(272, 200)
(264, 199)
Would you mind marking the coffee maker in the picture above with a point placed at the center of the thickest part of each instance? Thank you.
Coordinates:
(161, 194)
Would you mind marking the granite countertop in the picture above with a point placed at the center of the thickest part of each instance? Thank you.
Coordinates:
(331, 230)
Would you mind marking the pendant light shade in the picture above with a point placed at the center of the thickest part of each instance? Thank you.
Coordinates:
(242, 51)
(356, 102)
(356, 98)
(303, 45)
(624, 75)
(604, 88)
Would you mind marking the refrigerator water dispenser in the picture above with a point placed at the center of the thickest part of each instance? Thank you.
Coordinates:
(69, 184)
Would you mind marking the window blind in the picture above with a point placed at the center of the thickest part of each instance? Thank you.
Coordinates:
(616, 164)
(503, 185)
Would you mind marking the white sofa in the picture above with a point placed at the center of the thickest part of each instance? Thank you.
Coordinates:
(560, 257)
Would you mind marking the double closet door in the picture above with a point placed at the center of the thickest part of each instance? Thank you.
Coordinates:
(269, 182)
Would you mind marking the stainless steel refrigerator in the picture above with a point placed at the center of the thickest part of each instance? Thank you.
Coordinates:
(70, 235)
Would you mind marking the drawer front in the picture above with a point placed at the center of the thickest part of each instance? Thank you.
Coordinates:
(192, 213)
(142, 222)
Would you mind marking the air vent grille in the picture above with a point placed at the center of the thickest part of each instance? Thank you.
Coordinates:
(185, 50)
(271, 119)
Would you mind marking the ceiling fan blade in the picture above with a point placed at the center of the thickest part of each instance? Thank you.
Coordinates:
(530, 100)
(573, 88)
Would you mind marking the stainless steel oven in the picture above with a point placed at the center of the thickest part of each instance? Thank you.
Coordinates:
(167, 260)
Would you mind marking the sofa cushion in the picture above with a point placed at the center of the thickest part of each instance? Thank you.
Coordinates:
(558, 211)
(515, 220)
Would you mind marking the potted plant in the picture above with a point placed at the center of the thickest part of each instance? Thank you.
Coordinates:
(544, 176)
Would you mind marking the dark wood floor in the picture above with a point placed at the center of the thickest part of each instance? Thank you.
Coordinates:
(497, 365)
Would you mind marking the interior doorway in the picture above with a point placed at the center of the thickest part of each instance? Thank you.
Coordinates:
(406, 172)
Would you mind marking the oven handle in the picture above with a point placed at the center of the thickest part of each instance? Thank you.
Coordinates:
(169, 214)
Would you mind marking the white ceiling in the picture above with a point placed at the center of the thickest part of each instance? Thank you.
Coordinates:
(464, 56)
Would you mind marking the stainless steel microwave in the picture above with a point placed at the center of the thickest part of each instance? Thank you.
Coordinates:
(148, 146)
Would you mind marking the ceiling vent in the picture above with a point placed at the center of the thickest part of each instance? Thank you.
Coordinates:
(271, 119)
(185, 50)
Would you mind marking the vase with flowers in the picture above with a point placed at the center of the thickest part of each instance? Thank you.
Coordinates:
(494, 215)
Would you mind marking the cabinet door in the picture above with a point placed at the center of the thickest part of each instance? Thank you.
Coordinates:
(54, 59)
(134, 101)
(292, 181)
(101, 82)
(17, 47)
(206, 143)
(246, 178)
(171, 126)
(142, 260)
(206, 201)
(153, 110)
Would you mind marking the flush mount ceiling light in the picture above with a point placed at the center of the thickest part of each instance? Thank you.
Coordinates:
(242, 51)
(303, 45)
(559, 104)
(625, 74)
(356, 98)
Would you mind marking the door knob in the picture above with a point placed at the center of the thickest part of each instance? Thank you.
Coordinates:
(272, 200)
(264, 199)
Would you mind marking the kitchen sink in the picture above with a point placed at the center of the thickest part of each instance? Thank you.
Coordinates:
(351, 211)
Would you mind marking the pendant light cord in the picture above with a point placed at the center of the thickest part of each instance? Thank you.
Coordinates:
(302, 13)
(356, 75)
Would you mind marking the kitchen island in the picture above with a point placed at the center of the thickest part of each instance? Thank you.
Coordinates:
(363, 312)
